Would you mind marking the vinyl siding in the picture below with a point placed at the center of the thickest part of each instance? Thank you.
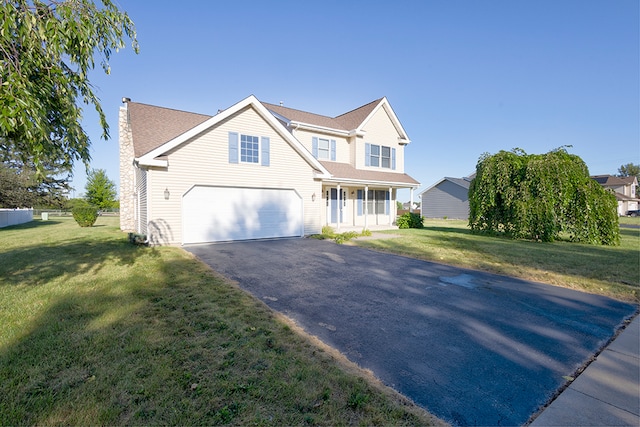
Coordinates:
(445, 200)
(342, 144)
(204, 160)
(380, 131)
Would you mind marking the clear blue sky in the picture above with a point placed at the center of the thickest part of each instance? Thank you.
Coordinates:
(463, 76)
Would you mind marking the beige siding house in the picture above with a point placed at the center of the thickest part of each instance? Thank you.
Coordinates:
(258, 170)
(624, 189)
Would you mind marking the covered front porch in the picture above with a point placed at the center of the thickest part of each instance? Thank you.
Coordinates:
(353, 207)
(357, 199)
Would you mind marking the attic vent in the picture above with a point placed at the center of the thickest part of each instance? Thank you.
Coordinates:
(281, 103)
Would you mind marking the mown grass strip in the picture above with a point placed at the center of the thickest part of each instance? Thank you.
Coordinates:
(94, 330)
(606, 270)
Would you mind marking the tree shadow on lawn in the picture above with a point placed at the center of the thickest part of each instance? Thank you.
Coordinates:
(31, 224)
(587, 261)
(38, 263)
(173, 345)
(92, 357)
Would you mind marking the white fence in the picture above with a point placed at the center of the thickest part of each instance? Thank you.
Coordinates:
(15, 216)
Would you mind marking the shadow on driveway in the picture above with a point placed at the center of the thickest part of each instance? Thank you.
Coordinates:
(472, 348)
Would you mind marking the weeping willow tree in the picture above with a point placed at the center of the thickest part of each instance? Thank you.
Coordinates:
(540, 196)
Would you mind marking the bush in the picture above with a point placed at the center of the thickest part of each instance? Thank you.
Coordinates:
(85, 215)
(329, 233)
(138, 239)
(410, 220)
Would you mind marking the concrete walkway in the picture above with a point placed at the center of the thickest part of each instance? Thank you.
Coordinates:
(607, 393)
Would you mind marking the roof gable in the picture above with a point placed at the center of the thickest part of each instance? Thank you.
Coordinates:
(150, 157)
(350, 122)
(462, 182)
(403, 138)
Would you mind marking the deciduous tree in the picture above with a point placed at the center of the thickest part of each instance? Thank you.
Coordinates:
(47, 50)
(540, 196)
(100, 191)
(629, 170)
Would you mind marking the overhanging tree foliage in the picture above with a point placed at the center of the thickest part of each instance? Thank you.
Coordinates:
(47, 49)
(540, 196)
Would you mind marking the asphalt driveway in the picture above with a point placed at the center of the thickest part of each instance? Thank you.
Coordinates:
(472, 348)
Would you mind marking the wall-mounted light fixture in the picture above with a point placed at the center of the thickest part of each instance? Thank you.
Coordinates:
(313, 197)
(166, 194)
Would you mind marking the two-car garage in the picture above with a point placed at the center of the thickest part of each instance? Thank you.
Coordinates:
(218, 214)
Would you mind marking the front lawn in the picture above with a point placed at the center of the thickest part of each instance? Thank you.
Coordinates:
(606, 270)
(96, 331)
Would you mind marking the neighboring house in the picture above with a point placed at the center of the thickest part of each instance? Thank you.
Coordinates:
(258, 170)
(624, 188)
(448, 198)
(409, 206)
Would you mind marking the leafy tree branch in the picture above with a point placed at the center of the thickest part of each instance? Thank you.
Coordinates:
(47, 50)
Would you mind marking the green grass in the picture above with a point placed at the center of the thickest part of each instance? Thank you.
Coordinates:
(96, 331)
(630, 220)
(605, 270)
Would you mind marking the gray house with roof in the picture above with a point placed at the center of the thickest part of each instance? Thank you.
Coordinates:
(447, 198)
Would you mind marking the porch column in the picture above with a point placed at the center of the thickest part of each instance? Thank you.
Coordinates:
(339, 201)
(366, 205)
(392, 207)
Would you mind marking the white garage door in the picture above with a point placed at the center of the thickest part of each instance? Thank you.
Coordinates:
(218, 214)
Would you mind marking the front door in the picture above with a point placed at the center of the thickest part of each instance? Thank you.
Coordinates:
(337, 203)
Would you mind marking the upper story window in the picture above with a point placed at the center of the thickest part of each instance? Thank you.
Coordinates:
(249, 149)
(380, 156)
(324, 149)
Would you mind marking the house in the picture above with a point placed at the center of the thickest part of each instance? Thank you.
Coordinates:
(447, 198)
(258, 170)
(624, 189)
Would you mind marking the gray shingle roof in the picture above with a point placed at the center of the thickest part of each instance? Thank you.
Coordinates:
(347, 121)
(348, 173)
(610, 180)
(152, 126)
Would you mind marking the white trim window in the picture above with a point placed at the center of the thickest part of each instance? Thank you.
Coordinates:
(249, 149)
(380, 156)
(324, 149)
